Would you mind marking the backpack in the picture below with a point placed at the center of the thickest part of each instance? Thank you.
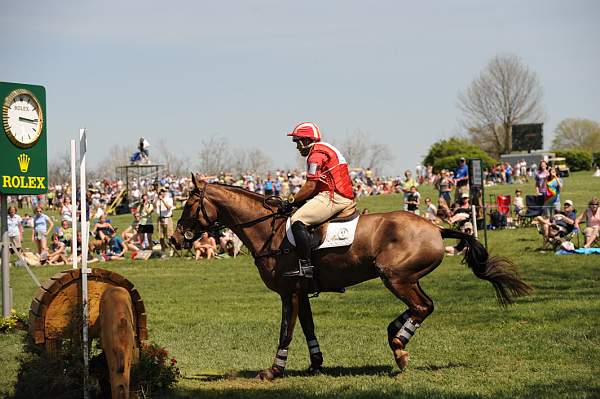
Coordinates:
(498, 220)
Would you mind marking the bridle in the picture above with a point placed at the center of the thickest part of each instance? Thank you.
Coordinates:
(215, 225)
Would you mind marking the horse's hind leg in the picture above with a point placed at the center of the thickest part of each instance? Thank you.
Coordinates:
(401, 330)
(308, 327)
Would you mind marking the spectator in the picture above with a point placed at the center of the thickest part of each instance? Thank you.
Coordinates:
(205, 246)
(519, 205)
(65, 233)
(461, 179)
(560, 224)
(413, 200)
(443, 210)
(131, 235)
(15, 228)
(146, 227)
(431, 211)
(553, 188)
(116, 248)
(365, 211)
(164, 208)
(541, 175)
(592, 220)
(103, 230)
(405, 186)
(58, 254)
(462, 213)
(444, 185)
(42, 224)
(66, 211)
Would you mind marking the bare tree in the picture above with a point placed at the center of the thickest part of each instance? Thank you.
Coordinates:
(258, 161)
(360, 152)
(577, 133)
(174, 162)
(117, 155)
(506, 93)
(59, 168)
(214, 156)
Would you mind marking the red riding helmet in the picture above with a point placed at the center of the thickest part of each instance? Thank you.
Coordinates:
(306, 130)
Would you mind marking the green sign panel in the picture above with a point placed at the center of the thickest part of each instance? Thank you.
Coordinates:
(23, 140)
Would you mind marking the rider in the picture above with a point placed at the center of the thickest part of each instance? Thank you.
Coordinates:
(327, 191)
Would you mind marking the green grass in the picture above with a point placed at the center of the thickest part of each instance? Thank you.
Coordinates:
(221, 324)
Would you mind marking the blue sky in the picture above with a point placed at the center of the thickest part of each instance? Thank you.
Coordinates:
(249, 71)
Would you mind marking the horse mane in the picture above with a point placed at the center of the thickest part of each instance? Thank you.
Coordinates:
(242, 190)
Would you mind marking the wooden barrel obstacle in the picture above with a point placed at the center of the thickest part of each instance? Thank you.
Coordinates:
(117, 317)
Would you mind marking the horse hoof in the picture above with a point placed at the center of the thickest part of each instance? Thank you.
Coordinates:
(402, 358)
(315, 370)
(269, 374)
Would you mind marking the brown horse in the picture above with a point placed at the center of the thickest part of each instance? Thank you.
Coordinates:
(398, 247)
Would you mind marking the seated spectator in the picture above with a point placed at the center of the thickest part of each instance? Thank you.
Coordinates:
(131, 235)
(102, 230)
(519, 202)
(592, 220)
(431, 212)
(58, 251)
(27, 221)
(443, 211)
(65, 232)
(559, 224)
(226, 242)
(205, 246)
(116, 248)
(462, 212)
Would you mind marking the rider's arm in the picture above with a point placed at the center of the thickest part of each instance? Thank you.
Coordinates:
(308, 190)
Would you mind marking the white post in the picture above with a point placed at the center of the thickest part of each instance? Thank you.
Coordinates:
(6, 290)
(84, 255)
(74, 204)
(474, 213)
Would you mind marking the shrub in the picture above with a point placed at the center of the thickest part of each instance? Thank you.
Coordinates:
(445, 154)
(576, 159)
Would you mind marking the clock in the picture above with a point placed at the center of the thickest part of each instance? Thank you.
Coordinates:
(22, 118)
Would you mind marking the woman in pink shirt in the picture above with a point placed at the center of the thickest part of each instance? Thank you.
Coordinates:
(592, 221)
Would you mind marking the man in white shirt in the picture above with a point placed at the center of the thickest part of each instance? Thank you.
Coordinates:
(15, 228)
(164, 208)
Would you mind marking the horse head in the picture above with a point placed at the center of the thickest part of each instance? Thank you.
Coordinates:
(199, 215)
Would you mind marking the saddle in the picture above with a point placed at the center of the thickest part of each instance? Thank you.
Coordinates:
(319, 232)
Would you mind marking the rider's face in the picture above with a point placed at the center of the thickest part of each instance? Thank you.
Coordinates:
(302, 146)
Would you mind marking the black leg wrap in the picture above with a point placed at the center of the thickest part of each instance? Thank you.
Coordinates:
(397, 323)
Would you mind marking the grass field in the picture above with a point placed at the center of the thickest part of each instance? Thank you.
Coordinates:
(221, 324)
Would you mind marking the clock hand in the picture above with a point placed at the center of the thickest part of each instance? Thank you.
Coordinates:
(21, 119)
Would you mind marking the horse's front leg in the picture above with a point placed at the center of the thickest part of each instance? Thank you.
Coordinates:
(289, 314)
(308, 327)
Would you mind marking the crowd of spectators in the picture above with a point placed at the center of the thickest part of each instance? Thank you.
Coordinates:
(152, 202)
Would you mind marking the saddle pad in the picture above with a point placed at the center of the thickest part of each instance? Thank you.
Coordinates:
(338, 234)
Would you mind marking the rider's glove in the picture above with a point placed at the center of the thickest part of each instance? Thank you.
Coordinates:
(287, 205)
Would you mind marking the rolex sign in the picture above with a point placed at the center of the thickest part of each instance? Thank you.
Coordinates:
(23, 140)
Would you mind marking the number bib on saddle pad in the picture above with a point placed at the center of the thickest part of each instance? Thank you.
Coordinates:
(339, 234)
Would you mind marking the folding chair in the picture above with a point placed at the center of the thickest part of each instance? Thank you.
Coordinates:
(503, 207)
(534, 207)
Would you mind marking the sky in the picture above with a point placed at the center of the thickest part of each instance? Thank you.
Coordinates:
(249, 71)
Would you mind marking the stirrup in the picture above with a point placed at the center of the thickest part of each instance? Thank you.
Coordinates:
(304, 270)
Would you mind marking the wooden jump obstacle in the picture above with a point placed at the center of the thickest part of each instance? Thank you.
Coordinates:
(59, 297)
(117, 317)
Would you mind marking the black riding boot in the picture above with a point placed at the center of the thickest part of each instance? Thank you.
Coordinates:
(303, 247)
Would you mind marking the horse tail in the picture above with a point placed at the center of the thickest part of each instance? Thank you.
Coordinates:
(498, 270)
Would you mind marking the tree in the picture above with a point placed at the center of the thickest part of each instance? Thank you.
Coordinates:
(214, 156)
(117, 155)
(59, 168)
(361, 152)
(444, 154)
(175, 162)
(506, 93)
(575, 133)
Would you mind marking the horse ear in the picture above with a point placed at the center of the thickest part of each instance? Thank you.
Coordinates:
(194, 180)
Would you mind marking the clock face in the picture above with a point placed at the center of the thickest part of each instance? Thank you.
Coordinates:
(22, 118)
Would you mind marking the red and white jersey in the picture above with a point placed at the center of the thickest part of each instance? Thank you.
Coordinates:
(329, 168)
